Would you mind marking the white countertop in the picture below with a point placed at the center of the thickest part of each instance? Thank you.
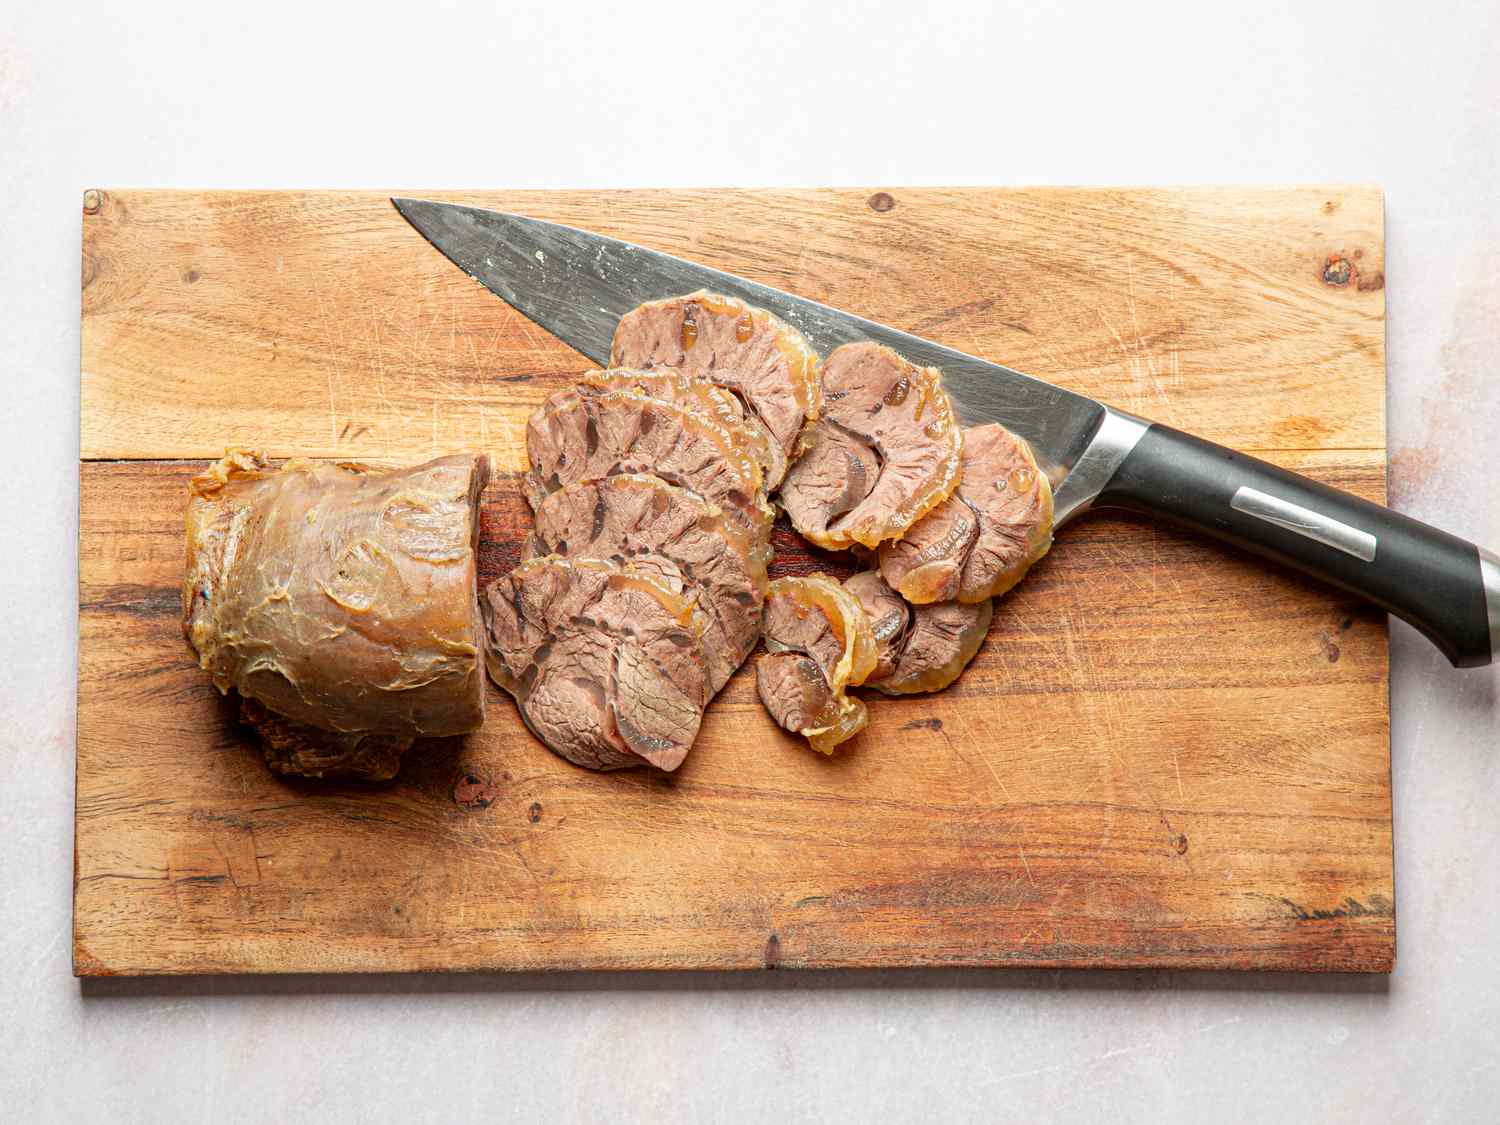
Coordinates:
(552, 95)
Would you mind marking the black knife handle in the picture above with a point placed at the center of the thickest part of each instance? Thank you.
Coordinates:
(1446, 587)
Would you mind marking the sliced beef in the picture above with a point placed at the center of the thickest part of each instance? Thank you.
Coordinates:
(798, 696)
(818, 643)
(746, 350)
(832, 478)
(605, 660)
(590, 437)
(713, 402)
(884, 414)
(340, 603)
(654, 525)
(920, 647)
(980, 541)
(890, 619)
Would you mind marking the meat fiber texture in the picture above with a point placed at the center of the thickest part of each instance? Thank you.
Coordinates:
(654, 474)
(918, 648)
(589, 437)
(657, 478)
(885, 452)
(980, 541)
(605, 660)
(685, 539)
(818, 643)
(713, 402)
(340, 602)
(745, 350)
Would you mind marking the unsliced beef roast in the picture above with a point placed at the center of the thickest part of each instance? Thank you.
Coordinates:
(818, 643)
(713, 402)
(590, 437)
(746, 350)
(885, 452)
(980, 541)
(340, 603)
(918, 647)
(644, 521)
(605, 660)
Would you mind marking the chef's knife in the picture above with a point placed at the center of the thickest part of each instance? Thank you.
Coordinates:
(577, 285)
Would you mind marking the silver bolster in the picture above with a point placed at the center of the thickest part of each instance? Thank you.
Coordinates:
(1110, 445)
(1305, 522)
(1489, 574)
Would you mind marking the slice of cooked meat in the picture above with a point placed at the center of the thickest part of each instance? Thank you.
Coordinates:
(714, 402)
(588, 438)
(832, 478)
(927, 563)
(890, 618)
(928, 646)
(605, 660)
(797, 695)
(818, 642)
(980, 541)
(643, 520)
(729, 343)
(341, 601)
(881, 410)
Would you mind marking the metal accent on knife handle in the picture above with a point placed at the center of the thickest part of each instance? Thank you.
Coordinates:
(1489, 574)
(1306, 522)
(577, 285)
(1110, 444)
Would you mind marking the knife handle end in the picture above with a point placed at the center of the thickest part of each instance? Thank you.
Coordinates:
(1446, 587)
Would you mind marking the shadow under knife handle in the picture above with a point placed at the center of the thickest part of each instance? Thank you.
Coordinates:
(1445, 586)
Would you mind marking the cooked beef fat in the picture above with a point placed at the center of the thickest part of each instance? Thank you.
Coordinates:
(643, 520)
(745, 350)
(818, 643)
(884, 453)
(340, 603)
(980, 541)
(605, 660)
(924, 648)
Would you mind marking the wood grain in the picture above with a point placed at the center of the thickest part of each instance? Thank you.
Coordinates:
(319, 324)
(1165, 755)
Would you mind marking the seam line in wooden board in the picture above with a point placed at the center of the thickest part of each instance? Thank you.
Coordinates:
(1085, 798)
(1253, 451)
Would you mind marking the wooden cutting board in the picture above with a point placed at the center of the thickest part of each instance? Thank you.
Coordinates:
(1165, 755)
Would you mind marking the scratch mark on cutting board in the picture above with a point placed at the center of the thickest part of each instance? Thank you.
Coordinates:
(532, 339)
(968, 735)
(1108, 718)
(1146, 383)
(1020, 824)
(390, 413)
(1141, 348)
(333, 414)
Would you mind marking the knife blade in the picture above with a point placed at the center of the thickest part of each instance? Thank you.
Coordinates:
(577, 285)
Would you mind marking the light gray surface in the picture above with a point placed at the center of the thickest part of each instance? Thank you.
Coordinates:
(1403, 94)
